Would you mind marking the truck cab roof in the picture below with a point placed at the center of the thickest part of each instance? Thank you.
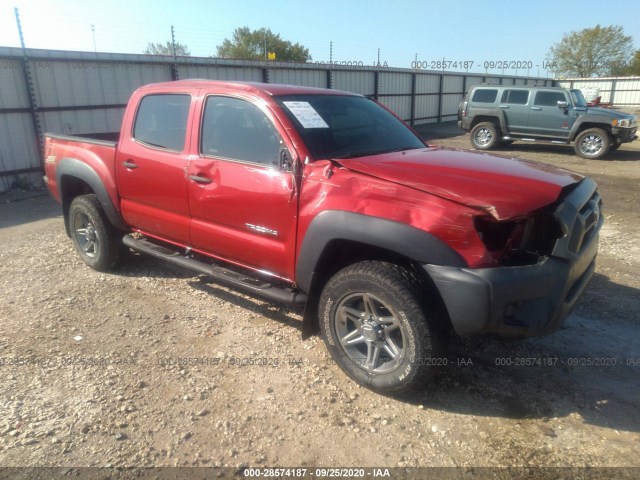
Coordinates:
(271, 89)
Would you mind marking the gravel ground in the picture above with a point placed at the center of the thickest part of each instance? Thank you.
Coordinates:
(153, 366)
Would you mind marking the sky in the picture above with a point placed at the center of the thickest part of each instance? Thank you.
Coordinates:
(480, 36)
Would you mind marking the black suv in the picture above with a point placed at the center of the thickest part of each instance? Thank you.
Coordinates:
(500, 114)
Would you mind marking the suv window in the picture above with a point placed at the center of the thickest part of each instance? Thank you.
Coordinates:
(549, 99)
(236, 129)
(515, 97)
(484, 95)
(161, 121)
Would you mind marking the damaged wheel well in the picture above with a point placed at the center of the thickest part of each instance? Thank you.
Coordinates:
(339, 254)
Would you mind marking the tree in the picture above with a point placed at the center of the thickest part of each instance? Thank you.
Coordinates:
(634, 66)
(631, 69)
(597, 51)
(250, 45)
(167, 49)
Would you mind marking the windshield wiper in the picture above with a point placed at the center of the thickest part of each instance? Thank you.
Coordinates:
(401, 149)
(374, 152)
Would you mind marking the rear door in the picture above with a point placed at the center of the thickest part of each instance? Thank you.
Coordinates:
(243, 201)
(151, 162)
(546, 118)
(514, 105)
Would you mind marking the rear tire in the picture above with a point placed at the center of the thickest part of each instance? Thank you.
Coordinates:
(592, 143)
(484, 136)
(376, 327)
(95, 239)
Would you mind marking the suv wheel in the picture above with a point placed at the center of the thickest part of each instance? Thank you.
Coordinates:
(484, 136)
(592, 143)
(375, 326)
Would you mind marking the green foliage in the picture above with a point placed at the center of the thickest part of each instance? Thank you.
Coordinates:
(598, 51)
(632, 69)
(166, 49)
(250, 45)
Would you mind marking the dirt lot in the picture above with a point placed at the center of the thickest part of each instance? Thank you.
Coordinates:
(140, 367)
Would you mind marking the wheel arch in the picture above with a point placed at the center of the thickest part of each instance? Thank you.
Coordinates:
(496, 119)
(75, 178)
(581, 126)
(336, 239)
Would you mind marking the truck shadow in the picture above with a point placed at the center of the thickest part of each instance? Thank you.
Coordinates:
(280, 313)
(31, 207)
(587, 370)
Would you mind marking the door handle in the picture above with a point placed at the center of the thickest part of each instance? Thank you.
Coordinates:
(536, 108)
(199, 179)
(504, 106)
(129, 164)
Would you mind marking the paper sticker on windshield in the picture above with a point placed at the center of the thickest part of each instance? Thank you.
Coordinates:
(306, 115)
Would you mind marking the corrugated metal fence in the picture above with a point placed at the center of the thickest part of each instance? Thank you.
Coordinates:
(85, 93)
(619, 91)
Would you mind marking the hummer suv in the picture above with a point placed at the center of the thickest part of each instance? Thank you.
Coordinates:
(501, 114)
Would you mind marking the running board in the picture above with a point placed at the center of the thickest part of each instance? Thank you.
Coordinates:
(230, 278)
(524, 139)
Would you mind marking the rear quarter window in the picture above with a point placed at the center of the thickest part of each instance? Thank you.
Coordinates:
(485, 95)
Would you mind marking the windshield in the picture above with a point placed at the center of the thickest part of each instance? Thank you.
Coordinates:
(341, 126)
(578, 98)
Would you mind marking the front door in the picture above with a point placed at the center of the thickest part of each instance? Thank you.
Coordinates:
(546, 118)
(243, 202)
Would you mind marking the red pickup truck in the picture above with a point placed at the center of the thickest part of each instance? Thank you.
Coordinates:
(325, 199)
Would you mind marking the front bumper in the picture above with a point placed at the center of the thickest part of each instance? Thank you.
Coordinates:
(527, 300)
(624, 135)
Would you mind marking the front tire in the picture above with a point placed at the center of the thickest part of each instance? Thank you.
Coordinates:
(375, 326)
(592, 143)
(484, 136)
(94, 238)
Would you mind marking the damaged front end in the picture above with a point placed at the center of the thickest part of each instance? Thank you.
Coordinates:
(543, 262)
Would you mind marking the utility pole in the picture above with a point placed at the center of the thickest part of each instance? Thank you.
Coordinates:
(264, 32)
(176, 75)
(93, 31)
(331, 52)
(28, 80)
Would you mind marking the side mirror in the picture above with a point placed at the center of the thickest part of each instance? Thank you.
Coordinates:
(286, 162)
(563, 105)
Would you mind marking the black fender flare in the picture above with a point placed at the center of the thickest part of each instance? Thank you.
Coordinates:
(400, 238)
(410, 242)
(72, 167)
(598, 121)
(493, 113)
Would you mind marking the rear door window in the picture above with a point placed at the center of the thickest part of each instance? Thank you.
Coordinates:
(161, 121)
(515, 97)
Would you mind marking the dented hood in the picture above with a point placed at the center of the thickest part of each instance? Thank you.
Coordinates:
(503, 187)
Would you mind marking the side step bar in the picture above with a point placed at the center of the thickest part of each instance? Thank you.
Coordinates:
(251, 285)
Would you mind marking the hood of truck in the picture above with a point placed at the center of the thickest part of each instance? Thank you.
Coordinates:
(606, 111)
(504, 187)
